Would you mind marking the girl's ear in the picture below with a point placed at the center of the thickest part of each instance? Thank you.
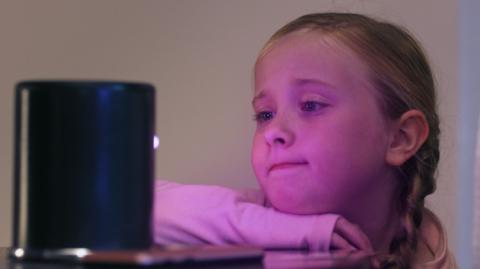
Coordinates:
(409, 134)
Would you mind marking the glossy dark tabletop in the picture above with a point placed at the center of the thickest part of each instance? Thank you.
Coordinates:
(271, 260)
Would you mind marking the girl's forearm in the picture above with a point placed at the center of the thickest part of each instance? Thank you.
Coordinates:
(198, 214)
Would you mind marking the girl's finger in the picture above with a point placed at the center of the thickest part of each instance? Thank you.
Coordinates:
(353, 234)
(338, 242)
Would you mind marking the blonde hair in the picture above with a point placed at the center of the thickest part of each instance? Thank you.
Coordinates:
(403, 81)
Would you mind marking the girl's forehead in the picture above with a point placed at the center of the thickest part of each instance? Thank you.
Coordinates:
(309, 54)
(307, 38)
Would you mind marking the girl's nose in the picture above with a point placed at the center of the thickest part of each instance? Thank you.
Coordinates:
(279, 134)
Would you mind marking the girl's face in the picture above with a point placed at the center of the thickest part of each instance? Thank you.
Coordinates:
(321, 139)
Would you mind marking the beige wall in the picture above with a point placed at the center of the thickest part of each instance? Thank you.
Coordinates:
(199, 54)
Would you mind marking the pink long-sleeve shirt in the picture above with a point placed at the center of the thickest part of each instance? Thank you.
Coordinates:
(202, 214)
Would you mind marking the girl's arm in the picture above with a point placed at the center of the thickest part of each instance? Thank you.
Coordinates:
(198, 214)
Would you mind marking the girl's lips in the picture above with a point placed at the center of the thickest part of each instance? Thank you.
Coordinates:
(286, 165)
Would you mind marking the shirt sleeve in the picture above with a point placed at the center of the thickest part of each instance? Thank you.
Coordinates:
(202, 214)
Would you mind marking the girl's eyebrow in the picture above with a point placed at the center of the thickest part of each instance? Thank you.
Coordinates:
(257, 97)
(299, 82)
(324, 88)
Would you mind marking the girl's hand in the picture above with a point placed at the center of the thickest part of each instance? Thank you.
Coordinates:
(348, 236)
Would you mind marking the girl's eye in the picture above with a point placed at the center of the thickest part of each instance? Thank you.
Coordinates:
(311, 106)
(264, 116)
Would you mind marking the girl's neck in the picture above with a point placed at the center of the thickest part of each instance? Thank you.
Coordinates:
(381, 229)
(380, 217)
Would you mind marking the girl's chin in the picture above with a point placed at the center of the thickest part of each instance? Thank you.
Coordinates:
(293, 206)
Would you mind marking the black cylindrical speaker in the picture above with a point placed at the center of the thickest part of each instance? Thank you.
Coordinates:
(84, 167)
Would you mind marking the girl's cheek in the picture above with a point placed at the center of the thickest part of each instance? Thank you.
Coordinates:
(258, 158)
(256, 152)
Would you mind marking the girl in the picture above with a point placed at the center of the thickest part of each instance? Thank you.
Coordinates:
(345, 150)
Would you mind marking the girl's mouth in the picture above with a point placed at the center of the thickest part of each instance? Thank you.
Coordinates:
(286, 166)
